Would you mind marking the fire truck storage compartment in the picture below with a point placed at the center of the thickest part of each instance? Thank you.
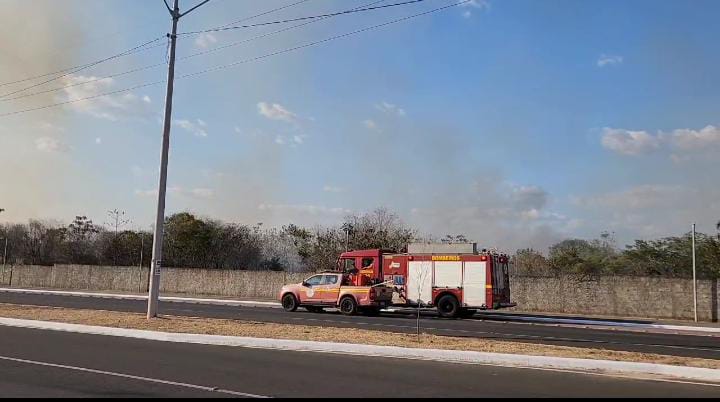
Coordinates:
(448, 274)
(419, 283)
(470, 276)
(474, 281)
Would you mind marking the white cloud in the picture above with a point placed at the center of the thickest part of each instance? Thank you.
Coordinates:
(203, 193)
(639, 197)
(333, 189)
(389, 108)
(111, 107)
(276, 112)
(633, 143)
(98, 140)
(304, 209)
(196, 128)
(628, 142)
(476, 4)
(293, 141)
(50, 145)
(205, 40)
(652, 210)
(371, 125)
(609, 60)
(687, 139)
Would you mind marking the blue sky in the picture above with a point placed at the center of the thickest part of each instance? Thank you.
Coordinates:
(515, 122)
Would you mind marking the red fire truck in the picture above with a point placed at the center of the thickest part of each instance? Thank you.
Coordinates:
(456, 279)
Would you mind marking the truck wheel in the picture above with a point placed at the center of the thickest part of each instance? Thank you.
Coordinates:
(448, 306)
(289, 302)
(348, 306)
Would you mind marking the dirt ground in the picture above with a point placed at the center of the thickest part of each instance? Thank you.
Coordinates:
(326, 334)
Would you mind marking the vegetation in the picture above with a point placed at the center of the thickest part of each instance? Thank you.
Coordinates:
(190, 241)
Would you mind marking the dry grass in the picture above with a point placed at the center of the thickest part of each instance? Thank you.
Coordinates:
(327, 334)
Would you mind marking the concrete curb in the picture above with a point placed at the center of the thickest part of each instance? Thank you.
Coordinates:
(449, 356)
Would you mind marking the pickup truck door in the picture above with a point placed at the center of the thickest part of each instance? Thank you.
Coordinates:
(330, 290)
(310, 293)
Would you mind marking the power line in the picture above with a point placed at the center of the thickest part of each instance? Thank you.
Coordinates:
(76, 69)
(241, 62)
(264, 13)
(216, 49)
(353, 11)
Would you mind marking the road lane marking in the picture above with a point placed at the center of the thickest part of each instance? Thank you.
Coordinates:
(131, 377)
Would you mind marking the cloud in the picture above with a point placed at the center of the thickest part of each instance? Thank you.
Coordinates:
(476, 4)
(389, 108)
(639, 197)
(196, 128)
(628, 142)
(293, 141)
(333, 189)
(609, 60)
(201, 193)
(98, 140)
(685, 140)
(371, 125)
(50, 145)
(205, 40)
(652, 210)
(276, 112)
(111, 107)
(305, 209)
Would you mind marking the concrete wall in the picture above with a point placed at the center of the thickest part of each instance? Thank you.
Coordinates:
(134, 279)
(614, 296)
(617, 296)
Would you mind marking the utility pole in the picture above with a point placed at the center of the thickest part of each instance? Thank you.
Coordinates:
(4, 252)
(156, 263)
(694, 275)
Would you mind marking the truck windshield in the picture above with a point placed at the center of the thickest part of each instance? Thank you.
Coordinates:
(348, 265)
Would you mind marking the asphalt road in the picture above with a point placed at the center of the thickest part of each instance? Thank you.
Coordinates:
(37, 363)
(666, 344)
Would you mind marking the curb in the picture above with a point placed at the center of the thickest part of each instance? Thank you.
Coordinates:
(448, 356)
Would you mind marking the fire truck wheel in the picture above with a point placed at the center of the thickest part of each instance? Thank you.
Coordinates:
(348, 306)
(289, 302)
(448, 306)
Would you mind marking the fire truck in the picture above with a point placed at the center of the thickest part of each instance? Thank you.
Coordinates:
(456, 279)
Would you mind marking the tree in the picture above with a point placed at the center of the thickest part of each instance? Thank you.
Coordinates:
(117, 220)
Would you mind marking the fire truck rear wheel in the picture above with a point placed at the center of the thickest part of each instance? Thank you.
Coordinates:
(289, 302)
(448, 306)
(348, 306)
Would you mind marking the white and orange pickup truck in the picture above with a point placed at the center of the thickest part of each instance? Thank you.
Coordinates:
(335, 290)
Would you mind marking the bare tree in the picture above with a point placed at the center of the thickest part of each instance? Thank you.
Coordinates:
(116, 220)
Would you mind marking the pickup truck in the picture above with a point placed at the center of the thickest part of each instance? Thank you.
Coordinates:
(335, 290)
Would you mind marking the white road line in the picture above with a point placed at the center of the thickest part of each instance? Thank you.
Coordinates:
(131, 377)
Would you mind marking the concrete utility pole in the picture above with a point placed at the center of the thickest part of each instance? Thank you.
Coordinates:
(694, 275)
(156, 264)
